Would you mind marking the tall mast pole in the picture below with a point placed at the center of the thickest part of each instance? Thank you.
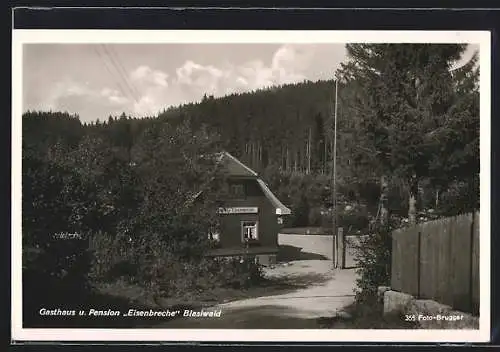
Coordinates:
(334, 181)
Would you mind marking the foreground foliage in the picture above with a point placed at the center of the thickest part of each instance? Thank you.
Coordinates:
(95, 214)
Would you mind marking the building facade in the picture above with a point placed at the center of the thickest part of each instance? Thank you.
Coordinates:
(251, 219)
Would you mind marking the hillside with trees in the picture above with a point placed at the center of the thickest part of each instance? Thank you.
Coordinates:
(286, 133)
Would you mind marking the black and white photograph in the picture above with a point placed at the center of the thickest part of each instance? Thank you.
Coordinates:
(250, 185)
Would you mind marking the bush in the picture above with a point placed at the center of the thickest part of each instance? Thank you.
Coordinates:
(232, 272)
(55, 206)
(460, 197)
(356, 219)
(153, 265)
(111, 259)
(140, 218)
(197, 277)
(61, 266)
(315, 217)
(374, 262)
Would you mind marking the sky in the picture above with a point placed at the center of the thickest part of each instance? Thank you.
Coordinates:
(98, 80)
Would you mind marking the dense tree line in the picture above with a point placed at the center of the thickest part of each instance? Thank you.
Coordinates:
(257, 126)
(403, 115)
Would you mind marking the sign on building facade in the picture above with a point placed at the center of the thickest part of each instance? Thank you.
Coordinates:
(238, 210)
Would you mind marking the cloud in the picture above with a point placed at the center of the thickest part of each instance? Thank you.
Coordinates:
(288, 65)
(114, 96)
(256, 74)
(145, 92)
(150, 88)
(290, 61)
(146, 75)
(146, 105)
(89, 102)
(206, 78)
(147, 89)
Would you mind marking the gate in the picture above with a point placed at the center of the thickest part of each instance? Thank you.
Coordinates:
(346, 247)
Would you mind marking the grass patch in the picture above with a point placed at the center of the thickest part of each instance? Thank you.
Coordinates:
(217, 295)
(122, 296)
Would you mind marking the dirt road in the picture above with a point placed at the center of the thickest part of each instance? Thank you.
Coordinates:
(328, 291)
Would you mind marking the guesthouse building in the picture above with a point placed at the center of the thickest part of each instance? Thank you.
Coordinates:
(251, 218)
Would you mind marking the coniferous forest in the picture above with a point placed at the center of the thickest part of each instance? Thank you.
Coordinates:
(407, 133)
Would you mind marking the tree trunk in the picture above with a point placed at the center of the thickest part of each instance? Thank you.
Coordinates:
(412, 201)
(384, 195)
(287, 166)
(282, 158)
(331, 155)
(412, 209)
(255, 154)
(251, 153)
(309, 153)
(295, 157)
(324, 157)
(259, 155)
(261, 152)
(437, 199)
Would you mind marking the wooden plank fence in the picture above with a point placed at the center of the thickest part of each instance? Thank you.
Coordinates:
(439, 260)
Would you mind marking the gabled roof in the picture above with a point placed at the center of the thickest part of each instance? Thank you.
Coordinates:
(237, 169)
(281, 209)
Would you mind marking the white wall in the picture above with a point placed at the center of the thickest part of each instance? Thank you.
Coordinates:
(318, 244)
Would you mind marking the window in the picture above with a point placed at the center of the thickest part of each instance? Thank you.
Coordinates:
(214, 235)
(237, 191)
(249, 231)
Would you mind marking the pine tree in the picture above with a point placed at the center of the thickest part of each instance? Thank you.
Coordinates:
(404, 92)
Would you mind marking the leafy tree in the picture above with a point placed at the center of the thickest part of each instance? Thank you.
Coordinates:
(55, 256)
(403, 94)
(172, 164)
(140, 211)
(456, 143)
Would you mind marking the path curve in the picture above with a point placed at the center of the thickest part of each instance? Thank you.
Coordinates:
(330, 290)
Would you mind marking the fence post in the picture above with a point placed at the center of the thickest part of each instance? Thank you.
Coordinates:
(340, 248)
(335, 250)
(419, 261)
(471, 302)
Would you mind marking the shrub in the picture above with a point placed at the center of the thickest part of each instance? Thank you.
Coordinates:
(315, 217)
(55, 205)
(374, 262)
(197, 277)
(61, 266)
(140, 218)
(111, 259)
(240, 273)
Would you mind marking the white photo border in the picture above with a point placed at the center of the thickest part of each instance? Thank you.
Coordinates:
(21, 37)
